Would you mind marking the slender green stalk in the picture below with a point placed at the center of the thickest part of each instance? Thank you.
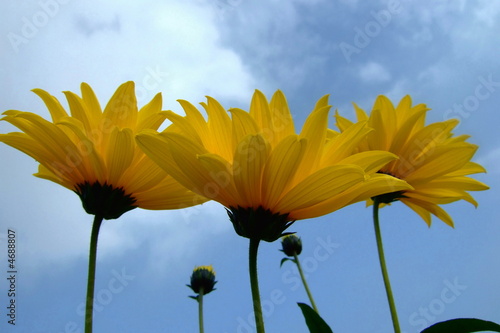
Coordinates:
(89, 307)
(299, 266)
(254, 283)
(200, 310)
(388, 290)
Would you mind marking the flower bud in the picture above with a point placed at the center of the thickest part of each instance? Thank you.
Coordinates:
(292, 245)
(203, 280)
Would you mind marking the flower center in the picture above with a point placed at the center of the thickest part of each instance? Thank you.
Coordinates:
(104, 200)
(387, 198)
(258, 223)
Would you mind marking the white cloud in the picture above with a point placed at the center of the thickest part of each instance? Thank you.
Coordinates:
(488, 12)
(373, 72)
(167, 47)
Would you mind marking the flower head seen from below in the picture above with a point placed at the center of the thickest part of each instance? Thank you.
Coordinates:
(431, 159)
(265, 174)
(93, 152)
(202, 280)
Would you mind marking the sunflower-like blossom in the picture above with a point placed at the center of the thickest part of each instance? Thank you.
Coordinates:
(93, 152)
(265, 174)
(431, 159)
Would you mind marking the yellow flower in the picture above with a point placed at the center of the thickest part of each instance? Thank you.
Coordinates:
(260, 169)
(93, 152)
(433, 161)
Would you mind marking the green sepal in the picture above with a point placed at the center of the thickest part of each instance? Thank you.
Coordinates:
(463, 325)
(286, 259)
(314, 322)
(105, 200)
(194, 297)
(259, 223)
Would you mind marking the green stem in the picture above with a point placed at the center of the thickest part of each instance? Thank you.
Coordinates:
(200, 310)
(89, 307)
(305, 283)
(254, 283)
(387, 282)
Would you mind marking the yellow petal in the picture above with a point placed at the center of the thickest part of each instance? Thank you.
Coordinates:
(196, 119)
(32, 148)
(92, 161)
(58, 149)
(387, 125)
(422, 212)
(157, 147)
(433, 209)
(150, 115)
(370, 161)
(55, 108)
(220, 185)
(319, 186)
(45, 173)
(242, 125)
(440, 196)
(378, 139)
(191, 168)
(78, 110)
(249, 160)
(143, 174)
(321, 103)
(259, 110)
(402, 136)
(444, 159)
(341, 122)
(92, 104)
(424, 141)
(183, 126)
(219, 125)
(282, 121)
(360, 113)
(374, 185)
(120, 153)
(344, 145)
(314, 131)
(168, 194)
(468, 169)
(456, 183)
(121, 109)
(280, 169)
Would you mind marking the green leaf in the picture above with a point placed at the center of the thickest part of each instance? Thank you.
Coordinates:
(314, 322)
(286, 259)
(463, 325)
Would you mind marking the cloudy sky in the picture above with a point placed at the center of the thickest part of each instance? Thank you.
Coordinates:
(442, 53)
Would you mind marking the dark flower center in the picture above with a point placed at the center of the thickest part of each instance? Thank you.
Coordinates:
(258, 223)
(387, 198)
(104, 200)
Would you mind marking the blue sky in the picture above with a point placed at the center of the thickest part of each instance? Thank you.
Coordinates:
(444, 54)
